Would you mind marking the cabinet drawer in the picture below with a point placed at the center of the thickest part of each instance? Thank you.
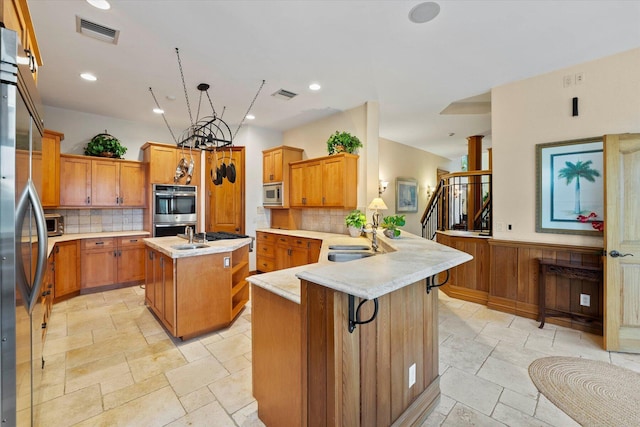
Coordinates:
(96, 244)
(299, 242)
(266, 250)
(265, 264)
(265, 237)
(131, 241)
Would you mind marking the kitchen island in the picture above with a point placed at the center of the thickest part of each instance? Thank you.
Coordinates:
(198, 288)
(314, 363)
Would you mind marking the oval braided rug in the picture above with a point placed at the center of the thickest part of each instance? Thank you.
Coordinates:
(592, 393)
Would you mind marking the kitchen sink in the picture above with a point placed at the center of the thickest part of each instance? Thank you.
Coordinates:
(348, 256)
(188, 246)
(350, 247)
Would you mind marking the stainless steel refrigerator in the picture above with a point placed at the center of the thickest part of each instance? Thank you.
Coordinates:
(23, 237)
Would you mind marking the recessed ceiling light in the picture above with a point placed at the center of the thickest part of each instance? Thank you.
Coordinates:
(424, 12)
(158, 110)
(88, 76)
(314, 86)
(250, 117)
(100, 4)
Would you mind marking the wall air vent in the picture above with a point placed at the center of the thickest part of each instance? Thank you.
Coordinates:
(284, 94)
(96, 31)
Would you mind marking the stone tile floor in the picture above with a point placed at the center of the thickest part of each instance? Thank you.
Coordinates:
(110, 363)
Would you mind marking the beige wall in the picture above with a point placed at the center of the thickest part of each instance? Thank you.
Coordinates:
(361, 121)
(538, 110)
(401, 161)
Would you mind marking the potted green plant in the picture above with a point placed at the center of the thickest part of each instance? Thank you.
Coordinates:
(391, 223)
(343, 142)
(355, 222)
(105, 145)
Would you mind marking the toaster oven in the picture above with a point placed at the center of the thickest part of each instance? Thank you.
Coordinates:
(55, 224)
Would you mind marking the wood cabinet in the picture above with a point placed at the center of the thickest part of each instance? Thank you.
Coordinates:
(163, 160)
(197, 294)
(329, 181)
(226, 202)
(50, 196)
(279, 251)
(14, 14)
(159, 286)
(67, 269)
(275, 162)
(75, 181)
(265, 251)
(275, 168)
(110, 261)
(86, 182)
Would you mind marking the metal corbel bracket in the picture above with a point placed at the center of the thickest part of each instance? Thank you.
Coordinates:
(354, 313)
(431, 282)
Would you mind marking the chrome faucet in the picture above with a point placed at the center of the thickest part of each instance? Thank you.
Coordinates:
(189, 232)
(374, 236)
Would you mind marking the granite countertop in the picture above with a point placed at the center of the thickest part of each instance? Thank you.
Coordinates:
(105, 234)
(399, 263)
(165, 245)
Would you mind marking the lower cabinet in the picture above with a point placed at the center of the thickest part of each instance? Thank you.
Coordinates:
(279, 251)
(66, 257)
(112, 260)
(197, 294)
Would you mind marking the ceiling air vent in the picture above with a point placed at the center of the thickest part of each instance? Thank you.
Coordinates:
(284, 94)
(97, 31)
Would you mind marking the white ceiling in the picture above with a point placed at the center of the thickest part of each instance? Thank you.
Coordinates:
(358, 50)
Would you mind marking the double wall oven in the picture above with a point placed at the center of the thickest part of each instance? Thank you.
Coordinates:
(174, 208)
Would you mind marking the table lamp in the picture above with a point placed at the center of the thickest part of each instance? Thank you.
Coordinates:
(377, 204)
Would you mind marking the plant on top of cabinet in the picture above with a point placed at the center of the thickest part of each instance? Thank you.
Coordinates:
(105, 145)
(343, 142)
(391, 223)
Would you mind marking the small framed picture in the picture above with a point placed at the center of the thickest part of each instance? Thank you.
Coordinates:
(570, 187)
(406, 195)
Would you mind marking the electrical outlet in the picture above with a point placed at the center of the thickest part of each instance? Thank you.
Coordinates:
(567, 81)
(579, 78)
(227, 262)
(585, 300)
(412, 375)
(509, 227)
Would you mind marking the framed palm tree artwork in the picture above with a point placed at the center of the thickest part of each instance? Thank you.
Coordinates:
(570, 187)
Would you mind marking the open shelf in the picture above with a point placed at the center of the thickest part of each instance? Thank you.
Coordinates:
(238, 287)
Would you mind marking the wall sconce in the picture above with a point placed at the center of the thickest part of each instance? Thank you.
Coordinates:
(429, 191)
(382, 186)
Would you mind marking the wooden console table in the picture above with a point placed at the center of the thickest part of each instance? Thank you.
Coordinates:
(591, 273)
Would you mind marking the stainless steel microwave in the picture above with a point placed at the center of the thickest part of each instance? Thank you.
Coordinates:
(272, 194)
(55, 224)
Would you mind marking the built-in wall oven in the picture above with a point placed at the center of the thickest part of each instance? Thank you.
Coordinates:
(174, 208)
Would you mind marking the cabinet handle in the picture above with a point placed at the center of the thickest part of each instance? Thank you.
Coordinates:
(88, 200)
(44, 325)
(99, 243)
(122, 200)
(117, 200)
(150, 254)
(133, 240)
(323, 200)
(115, 253)
(304, 200)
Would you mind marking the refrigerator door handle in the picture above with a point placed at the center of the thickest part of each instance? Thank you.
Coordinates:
(31, 293)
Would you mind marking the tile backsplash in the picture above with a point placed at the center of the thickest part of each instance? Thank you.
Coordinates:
(325, 220)
(98, 220)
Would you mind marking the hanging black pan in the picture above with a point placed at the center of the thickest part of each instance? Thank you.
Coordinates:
(231, 168)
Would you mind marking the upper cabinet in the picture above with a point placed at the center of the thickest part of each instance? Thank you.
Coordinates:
(325, 182)
(275, 163)
(95, 182)
(50, 196)
(163, 161)
(15, 16)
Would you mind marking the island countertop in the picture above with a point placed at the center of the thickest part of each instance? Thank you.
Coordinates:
(401, 262)
(166, 246)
